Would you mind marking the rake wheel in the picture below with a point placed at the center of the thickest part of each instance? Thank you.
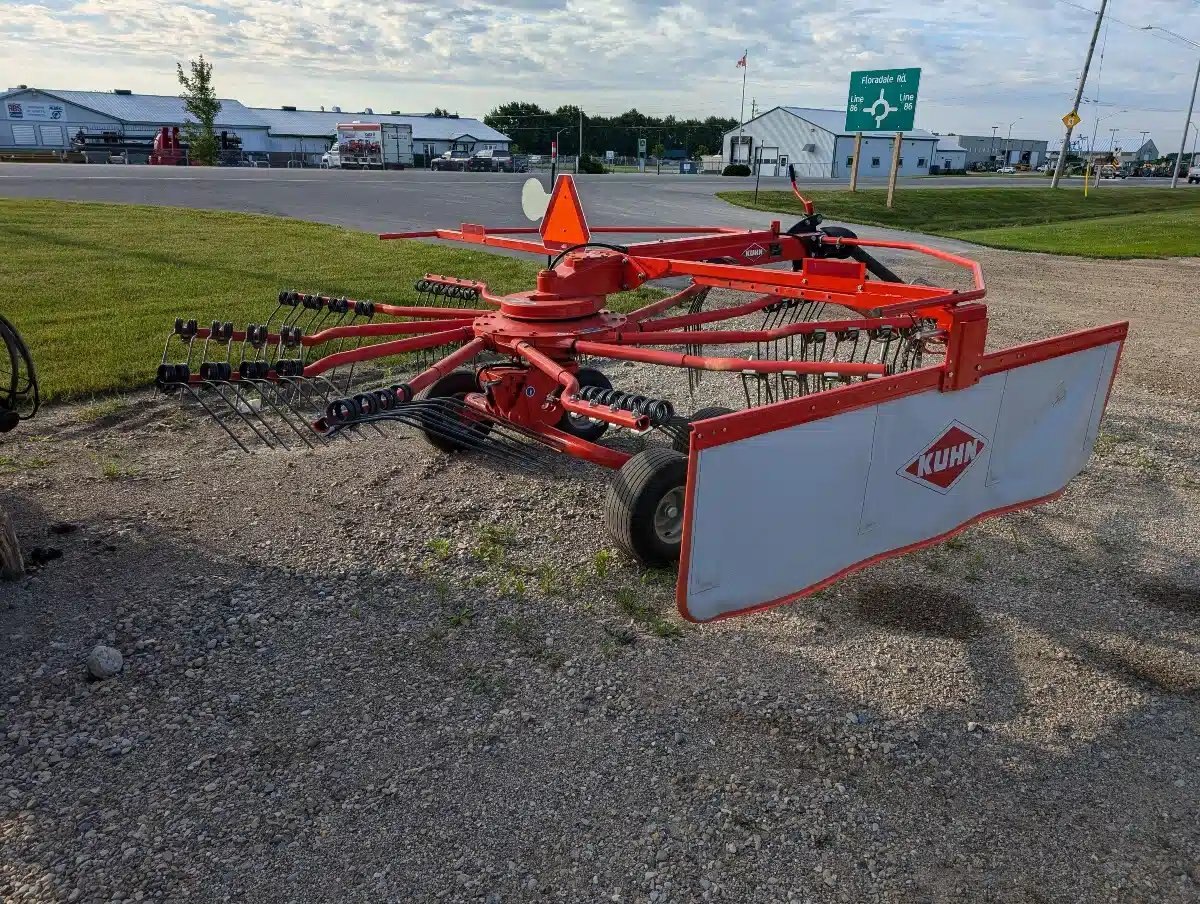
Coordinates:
(644, 508)
(683, 439)
(456, 385)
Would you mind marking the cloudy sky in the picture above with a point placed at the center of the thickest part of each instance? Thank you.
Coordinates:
(984, 63)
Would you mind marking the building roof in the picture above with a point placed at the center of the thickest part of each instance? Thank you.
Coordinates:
(158, 109)
(154, 109)
(314, 123)
(948, 144)
(835, 121)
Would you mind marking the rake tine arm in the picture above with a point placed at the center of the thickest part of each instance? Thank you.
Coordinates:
(436, 371)
(385, 349)
(407, 327)
(702, 317)
(563, 376)
(666, 304)
(731, 337)
(701, 362)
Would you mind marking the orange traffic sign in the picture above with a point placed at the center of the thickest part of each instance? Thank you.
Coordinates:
(564, 224)
(1071, 120)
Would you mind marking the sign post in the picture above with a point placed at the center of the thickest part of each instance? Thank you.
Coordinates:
(642, 154)
(881, 100)
(854, 164)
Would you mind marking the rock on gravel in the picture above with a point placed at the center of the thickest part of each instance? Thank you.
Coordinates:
(105, 662)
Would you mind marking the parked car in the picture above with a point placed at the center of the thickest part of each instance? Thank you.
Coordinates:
(1193, 175)
(1008, 170)
(1111, 172)
(494, 160)
(451, 160)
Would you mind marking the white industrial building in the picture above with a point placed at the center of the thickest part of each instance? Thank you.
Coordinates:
(817, 144)
(41, 120)
(949, 156)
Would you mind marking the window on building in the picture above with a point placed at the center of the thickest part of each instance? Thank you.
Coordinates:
(920, 161)
(850, 160)
(874, 161)
(899, 161)
(24, 134)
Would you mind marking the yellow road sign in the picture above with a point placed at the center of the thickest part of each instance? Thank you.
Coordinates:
(1071, 120)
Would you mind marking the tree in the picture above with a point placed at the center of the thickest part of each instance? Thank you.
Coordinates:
(441, 112)
(200, 101)
(657, 150)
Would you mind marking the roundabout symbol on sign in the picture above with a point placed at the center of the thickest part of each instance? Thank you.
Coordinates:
(873, 109)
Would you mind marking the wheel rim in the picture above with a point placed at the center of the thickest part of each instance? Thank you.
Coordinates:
(668, 516)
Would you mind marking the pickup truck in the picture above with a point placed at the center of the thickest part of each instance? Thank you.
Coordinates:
(495, 160)
(451, 160)
(1193, 174)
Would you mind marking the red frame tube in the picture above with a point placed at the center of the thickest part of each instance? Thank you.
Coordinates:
(566, 378)
(730, 337)
(701, 362)
(384, 349)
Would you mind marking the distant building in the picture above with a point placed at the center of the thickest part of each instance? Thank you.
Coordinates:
(37, 119)
(949, 155)
(1144, 154)
(816, 143)
(987, 151)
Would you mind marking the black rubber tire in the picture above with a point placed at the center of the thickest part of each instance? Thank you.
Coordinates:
(634, 497)
(682, 442)
(454, 385)
(577, 426)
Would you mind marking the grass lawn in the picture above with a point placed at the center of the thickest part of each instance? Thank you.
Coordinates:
(95, 288)
(1110, 222)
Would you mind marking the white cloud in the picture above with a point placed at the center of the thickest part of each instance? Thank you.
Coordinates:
(983, 62)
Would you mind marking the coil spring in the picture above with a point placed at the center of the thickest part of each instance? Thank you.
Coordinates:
(465, 293)
(659, 411)
(340, 412)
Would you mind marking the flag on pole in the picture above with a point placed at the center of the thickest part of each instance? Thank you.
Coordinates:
(742, 61)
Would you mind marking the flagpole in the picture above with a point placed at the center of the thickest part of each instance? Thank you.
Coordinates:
(742, 112)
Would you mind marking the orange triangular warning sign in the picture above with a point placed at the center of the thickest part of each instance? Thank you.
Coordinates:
(564, 224)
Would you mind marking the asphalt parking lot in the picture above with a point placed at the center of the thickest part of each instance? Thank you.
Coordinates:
(418, 199)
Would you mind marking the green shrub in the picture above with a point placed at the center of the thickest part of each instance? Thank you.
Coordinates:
(589, 165)
(736, 169)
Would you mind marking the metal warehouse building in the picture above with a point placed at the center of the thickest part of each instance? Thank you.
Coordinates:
(37, 119)
(817, 144)
(34, 119)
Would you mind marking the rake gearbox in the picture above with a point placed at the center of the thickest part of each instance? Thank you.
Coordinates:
(877, 390)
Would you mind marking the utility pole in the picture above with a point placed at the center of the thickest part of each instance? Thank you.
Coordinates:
(1187, 123)
(579, 156)
(753, 107)
(992, 149)
(1087, 64)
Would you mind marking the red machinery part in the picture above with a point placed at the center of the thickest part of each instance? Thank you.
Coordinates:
(868, 460)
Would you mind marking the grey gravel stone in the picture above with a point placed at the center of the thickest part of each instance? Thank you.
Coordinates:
(104, 662)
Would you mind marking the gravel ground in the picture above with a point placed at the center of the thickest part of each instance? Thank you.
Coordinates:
(401, 676)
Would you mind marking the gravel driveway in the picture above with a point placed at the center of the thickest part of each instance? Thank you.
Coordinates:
(393, 675)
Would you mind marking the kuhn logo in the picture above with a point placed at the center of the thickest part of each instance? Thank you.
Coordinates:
(941, 464)
(754, 251)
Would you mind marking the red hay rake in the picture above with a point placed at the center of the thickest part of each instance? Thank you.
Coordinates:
(874, 421)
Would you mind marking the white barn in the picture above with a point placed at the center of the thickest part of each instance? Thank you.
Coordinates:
(816, 143)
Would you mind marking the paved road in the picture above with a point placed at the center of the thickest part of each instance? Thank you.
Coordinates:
(419, 199)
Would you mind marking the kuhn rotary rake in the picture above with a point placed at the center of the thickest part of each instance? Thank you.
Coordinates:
(874, 422)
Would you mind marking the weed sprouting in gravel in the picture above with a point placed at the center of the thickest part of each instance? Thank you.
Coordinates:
(440, 548)
(643, 612)
(955, 544)
(461, 619)
(479, 680)
(658, 577)
(112, 469)
(13, 465)
(548, 583)
(602, 562)
(491, 543)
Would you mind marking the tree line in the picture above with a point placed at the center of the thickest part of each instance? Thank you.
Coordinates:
(532, 128)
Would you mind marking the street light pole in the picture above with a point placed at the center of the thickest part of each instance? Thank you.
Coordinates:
(992, 149)
(1008, 140)
(1087, 63)
(1187, 122)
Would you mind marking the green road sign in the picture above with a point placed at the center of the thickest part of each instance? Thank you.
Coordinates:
(882, 100)
(641, 147)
